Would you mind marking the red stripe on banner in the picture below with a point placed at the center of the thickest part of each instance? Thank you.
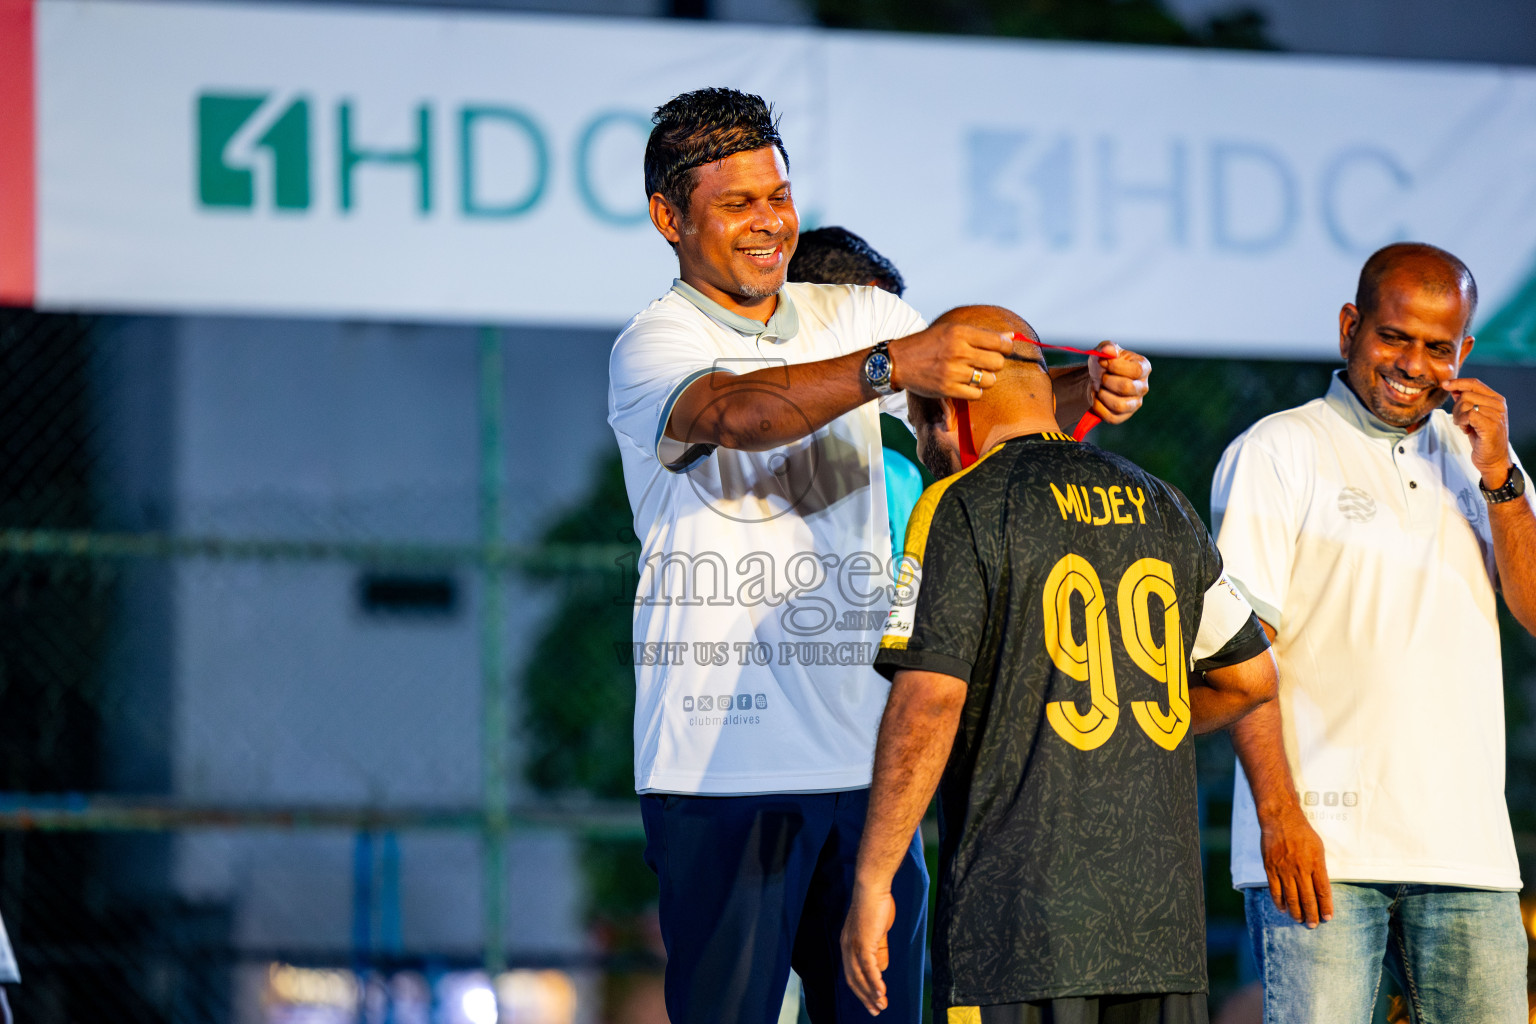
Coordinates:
(18, 160)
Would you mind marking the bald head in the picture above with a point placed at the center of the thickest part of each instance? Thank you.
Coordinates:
(999, 320)
(990, 318)
(1023, 382)
(1414, 265)
(1021, 400)
(996, 318)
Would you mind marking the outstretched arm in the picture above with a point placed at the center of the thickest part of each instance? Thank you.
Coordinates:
(1483, 415)
(771, 407)
(916, 734)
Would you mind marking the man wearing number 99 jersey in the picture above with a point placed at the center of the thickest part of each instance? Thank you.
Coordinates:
(1065, 627)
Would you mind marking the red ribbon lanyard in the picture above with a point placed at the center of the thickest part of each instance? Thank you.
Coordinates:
(968, 454)
(967, 443)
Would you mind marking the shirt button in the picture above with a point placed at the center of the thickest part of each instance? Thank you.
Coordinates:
(1412, 484)
(1401, 449)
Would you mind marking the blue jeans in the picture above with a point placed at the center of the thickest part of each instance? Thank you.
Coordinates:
(1459, 955)
(752, 885)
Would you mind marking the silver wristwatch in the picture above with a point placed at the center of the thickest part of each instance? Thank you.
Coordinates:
(877, 369)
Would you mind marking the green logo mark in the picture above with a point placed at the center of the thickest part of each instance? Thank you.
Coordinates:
(254, 153)
(220, 183)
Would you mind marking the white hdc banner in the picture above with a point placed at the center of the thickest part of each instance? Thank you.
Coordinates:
(455, 166)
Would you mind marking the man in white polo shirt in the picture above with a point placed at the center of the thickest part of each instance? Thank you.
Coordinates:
(746, 412)
(1370, 529)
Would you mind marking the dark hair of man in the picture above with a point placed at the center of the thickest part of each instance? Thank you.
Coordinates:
(835, 255)
(1414, 255)
(698, 128)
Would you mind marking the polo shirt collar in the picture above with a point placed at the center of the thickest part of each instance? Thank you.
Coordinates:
(782, 326)
(1347, 404)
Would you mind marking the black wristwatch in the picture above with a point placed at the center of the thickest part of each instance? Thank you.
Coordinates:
(877, 369)
(1512, 489)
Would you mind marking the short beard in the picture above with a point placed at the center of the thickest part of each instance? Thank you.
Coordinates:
(1397, 419)
(940, 459)
(761, 291)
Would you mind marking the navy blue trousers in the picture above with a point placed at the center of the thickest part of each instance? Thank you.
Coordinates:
(754, 885)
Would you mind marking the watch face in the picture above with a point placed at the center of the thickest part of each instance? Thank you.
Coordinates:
(878, 367)
(1513, 488)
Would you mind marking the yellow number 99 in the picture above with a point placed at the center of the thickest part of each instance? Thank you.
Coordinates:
(1087, 661)
(1091, 659)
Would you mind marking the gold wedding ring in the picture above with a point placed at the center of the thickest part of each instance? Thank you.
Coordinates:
(975, 378)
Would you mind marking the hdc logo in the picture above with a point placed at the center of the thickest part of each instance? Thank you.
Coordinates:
(1231, 196)
(484, 161)
(219, 120)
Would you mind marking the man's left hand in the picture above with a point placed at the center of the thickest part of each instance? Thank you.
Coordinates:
(1483, 416)
(1118, 383)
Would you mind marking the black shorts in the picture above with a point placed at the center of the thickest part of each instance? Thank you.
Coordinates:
(1147, 1008)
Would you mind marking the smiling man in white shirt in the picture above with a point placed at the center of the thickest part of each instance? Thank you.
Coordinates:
(1370, 530)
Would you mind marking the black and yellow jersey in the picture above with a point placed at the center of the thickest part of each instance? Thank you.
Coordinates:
(1066, 587)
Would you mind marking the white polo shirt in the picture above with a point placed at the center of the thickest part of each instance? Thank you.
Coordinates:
(1369, 550)
(765, 577)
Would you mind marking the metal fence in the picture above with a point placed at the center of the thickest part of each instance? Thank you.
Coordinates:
(138, 764)
(291, 733)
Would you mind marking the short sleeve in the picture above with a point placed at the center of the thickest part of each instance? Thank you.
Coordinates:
(1246, 644)
(1229, 633)
(935, 624)
(652, 364)
(893, 319)
(1253, 509)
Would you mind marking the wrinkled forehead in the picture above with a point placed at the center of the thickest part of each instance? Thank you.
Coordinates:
(1433, 308)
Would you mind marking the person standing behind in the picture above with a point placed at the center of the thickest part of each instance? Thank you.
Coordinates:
(1369, 529)
(745, 410)
(1062, 596)
(835, 255)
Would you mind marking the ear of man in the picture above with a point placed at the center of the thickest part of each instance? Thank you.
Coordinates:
(668, 220)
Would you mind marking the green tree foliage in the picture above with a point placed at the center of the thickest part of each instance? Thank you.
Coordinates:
(579, 704)
(1197, 406)
(578, 692)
